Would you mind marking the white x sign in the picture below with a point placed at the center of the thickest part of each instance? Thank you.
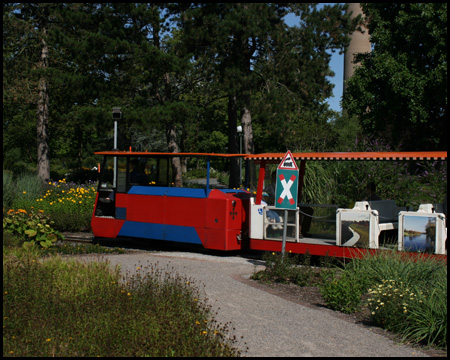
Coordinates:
(286, 189)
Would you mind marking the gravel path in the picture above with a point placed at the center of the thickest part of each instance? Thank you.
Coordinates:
(270, 326)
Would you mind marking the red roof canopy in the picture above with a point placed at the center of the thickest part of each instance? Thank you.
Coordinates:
(164, 154)
(276, 157)
(397, 155)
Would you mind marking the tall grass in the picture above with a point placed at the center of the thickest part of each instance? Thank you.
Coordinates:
(20, 190)
(407, 295)
(62, 307)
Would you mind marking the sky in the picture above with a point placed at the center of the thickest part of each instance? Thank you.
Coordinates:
(336, 64)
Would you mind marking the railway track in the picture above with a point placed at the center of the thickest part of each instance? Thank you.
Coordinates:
(83, 238)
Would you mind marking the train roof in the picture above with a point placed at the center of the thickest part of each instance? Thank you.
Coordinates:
(398, 155)
(277, 157)
(165, 154)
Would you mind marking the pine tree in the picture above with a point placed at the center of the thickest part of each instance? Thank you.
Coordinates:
(255, 57)
(32, 22)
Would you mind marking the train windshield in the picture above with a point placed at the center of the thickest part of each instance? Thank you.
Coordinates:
(130, 171)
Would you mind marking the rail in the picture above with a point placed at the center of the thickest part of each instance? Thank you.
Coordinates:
(85, 238)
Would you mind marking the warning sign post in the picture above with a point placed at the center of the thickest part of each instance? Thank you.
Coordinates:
(286, 189)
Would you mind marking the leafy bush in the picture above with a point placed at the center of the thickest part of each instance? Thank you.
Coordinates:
(409, 183)
(287, 269)
(35, 228)
(68, 205)
(343, 293)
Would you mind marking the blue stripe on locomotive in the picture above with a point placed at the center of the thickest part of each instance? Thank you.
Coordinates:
(165, 191)
(176, 233)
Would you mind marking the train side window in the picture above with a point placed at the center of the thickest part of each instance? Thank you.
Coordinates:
(121, 175)
(107, 173)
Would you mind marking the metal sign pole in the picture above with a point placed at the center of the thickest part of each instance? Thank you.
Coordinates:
(283, 247)
(117, 115)
(115, 157)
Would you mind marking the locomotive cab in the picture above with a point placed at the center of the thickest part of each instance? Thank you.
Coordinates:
(136, 199)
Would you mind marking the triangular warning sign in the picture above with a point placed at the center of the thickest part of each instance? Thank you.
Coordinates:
(288, 162)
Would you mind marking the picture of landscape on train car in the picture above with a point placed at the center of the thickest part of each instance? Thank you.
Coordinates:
(355, 229)
(419, 234)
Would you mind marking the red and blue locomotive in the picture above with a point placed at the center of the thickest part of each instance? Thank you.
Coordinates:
(135, 199)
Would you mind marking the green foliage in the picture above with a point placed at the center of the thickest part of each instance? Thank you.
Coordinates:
(8, 189)
(406, 295)
(75, 249)
(319, 184)
(427, 318)
(18, 190)
(403, 81)
(61, 307)
(69, 206)
(342, 292)
(408, 183)
(287, 269)
(34, 228)
(412, 301)
(169, 67)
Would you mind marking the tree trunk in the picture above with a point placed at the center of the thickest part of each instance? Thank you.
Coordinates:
(43, 152)
(233, 148)
(171, 134)
(249, 147)
(173, 148)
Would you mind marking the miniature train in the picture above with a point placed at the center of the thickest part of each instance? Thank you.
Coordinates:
(135, 199)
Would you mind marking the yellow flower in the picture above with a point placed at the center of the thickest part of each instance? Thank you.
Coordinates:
(48, 340)
(24, 192)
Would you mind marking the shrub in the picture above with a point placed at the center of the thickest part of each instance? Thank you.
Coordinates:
(343, 293)
(417, 312)
(287, 269)
(34, 227)
(69, 206)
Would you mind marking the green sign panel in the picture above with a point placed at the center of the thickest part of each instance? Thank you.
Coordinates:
(287, 183)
